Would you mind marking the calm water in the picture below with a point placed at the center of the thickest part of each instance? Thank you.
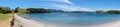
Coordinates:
(73, 18)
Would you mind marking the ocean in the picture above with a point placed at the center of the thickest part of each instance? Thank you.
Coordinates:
(73, 18)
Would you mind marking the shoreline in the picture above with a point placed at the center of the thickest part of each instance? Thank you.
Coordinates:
(20, 22)
(26, 22)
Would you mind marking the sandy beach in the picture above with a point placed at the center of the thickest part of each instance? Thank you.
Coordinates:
(23, 22)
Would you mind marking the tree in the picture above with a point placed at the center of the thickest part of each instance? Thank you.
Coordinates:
(114, 12)
(16, 9)
(5, 10)
(108, 12)
(37, 10)
(21, 10)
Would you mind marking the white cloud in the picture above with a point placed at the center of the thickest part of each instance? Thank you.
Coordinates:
(64, 1)
(72, 8)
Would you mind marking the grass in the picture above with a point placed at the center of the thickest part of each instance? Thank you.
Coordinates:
(5, 20)
(4, 16)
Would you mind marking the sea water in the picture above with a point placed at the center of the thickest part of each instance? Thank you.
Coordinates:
(73, 18)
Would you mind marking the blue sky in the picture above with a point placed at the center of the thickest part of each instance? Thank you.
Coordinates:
(67, 5)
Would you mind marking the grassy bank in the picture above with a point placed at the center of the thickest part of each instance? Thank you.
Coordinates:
(5, 20)
(4, 17)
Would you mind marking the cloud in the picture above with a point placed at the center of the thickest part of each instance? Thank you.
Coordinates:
(66, 1)
(63, 1)
(71, 8)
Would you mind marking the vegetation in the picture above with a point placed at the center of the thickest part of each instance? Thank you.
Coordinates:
(114, 12)
(16, 10)
(108, 12)
(37, 10)
(4, 16)
(5, 20)
(5, 10)
(20, 10)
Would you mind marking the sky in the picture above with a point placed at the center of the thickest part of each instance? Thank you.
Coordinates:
(67, 5)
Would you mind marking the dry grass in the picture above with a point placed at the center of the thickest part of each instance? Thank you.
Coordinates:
(5, 20)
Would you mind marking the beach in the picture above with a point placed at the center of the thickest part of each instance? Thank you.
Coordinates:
(24, 22)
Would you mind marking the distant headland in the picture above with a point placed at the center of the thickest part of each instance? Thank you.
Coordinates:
(6, 10)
